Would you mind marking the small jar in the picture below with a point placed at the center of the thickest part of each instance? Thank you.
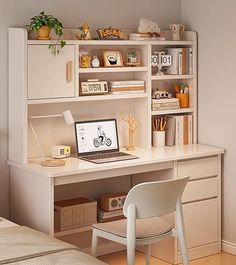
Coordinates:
(84, 59)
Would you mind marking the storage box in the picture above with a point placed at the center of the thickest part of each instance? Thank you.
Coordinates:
(74, 213)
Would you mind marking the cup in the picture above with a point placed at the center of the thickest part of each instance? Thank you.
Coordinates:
(158, 138)
(176, 29)
(183, 100)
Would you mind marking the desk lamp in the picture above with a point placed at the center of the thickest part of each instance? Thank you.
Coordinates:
(50, 162)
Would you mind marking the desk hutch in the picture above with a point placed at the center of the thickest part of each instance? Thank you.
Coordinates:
(39, 85)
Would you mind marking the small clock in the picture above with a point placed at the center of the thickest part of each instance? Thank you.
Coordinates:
(93, 87)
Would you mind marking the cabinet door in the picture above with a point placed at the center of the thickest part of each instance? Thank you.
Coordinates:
(50, 76)
(201, 222)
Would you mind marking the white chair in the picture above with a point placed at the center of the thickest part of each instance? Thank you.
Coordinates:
(143, 205)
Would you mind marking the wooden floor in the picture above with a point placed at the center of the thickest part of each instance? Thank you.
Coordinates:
(119, 258)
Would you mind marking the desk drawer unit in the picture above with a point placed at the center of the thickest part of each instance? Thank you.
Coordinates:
(198, 168)
(201, 207)
(200, 190)
(201, 222)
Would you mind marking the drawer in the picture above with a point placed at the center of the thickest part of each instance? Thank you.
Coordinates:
(201, 222)
(200, 189)
(198, 168)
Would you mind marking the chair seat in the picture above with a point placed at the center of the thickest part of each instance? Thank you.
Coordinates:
(145, 228)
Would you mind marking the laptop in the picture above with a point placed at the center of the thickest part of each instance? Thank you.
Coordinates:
(97, 141)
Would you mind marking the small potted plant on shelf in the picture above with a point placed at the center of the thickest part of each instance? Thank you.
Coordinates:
(43, 24)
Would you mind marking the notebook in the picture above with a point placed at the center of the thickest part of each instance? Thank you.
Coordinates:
(97, 141)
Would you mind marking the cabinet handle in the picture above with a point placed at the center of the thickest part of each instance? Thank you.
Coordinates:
(69, 71)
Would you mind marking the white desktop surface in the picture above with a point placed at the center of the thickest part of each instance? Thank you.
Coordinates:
(146, 156)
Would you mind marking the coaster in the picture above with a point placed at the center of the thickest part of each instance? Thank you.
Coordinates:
(53, 163)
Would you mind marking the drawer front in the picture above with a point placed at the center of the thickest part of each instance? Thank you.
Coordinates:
(200, 189)
(201, 222)
(198, 168)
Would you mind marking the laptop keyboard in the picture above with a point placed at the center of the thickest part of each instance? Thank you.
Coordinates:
(107, 155)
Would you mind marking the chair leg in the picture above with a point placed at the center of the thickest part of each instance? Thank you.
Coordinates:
(130, 255)
(183, 249)
(94, 244)
(148, 255)
(181, 233)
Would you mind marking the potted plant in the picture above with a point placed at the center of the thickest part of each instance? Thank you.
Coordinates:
(43, 24)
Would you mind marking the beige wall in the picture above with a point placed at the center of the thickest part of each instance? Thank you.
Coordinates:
(116, 13)
(214, 20)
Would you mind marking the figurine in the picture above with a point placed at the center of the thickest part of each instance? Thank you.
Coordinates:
(95, 62)
(132, 128)
(160, 93)
(176, 29)
(85, 33)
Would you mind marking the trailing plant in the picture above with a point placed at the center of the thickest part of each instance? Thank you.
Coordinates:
(41, 20)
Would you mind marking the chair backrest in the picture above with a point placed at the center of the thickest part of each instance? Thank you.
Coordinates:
(155, 198)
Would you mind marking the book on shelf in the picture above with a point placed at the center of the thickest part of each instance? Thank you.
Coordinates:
(178, 130)
(108, 216)
(126, 87)
(182, 61)
(165, 104)
(126, 83)
(122, 92)
(110, 219)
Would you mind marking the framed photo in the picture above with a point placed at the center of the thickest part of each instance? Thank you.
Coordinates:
(112, 58)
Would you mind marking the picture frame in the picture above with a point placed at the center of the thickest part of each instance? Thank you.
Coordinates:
(112, 58)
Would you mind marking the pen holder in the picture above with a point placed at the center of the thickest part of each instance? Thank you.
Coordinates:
(158, 138)
(183, 100)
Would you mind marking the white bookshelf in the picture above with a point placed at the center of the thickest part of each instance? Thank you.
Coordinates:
(53, 95)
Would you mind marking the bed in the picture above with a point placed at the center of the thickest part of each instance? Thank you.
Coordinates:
(20, 245)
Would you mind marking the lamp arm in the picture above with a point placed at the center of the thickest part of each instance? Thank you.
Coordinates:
(46, 116)
(37, 139)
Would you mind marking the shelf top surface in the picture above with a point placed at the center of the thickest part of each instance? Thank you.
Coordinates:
(146, 157)
(116, 42)
(87, 98)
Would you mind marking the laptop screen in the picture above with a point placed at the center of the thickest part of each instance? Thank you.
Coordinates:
(96, 136)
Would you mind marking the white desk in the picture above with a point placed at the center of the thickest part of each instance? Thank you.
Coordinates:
(33, 187)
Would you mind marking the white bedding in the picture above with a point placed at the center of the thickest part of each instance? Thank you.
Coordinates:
(21, 245)
(69, 257)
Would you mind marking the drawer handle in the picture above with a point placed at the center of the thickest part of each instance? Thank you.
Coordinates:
(69, 71)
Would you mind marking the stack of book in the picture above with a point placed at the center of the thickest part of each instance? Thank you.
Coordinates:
(182, 61)
(178, 130)
(108, 216)
(126, 87)
(165, 104)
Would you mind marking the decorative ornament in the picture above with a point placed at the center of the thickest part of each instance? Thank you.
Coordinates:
(85, 33)
(132, 128)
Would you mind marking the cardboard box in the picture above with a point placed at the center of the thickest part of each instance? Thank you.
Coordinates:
(74, 213)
